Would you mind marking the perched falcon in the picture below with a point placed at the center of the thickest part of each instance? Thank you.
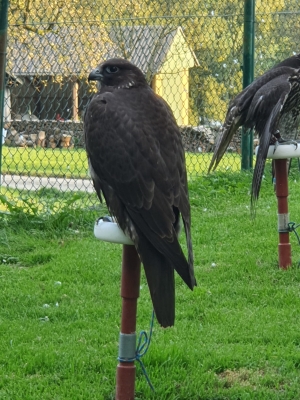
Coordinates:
(270, 105)
(137, 161)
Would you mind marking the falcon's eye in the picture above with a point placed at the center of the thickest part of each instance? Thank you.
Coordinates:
(112, 70)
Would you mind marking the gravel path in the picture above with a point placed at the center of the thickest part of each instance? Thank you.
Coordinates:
(34, 183)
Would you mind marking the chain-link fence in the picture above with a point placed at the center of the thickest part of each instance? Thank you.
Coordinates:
(191, 53)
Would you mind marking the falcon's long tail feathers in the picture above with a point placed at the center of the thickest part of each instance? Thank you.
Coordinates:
(230, 126)
(160, 278)
(189, 243)
(265, 137)
(171, 249)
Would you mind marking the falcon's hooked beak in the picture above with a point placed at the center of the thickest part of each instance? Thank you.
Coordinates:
(95, 75)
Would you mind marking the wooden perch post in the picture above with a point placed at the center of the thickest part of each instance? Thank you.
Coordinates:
(284, 246)
(75, 103)
(130, 287)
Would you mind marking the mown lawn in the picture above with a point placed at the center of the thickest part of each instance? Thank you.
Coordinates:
(45, 162)
(73, 163)
(236, 335)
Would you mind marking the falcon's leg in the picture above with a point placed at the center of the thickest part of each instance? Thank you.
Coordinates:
(288, 141)
(277, 139)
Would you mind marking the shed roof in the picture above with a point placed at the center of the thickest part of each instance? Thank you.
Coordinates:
(70, 51)
(63, 51)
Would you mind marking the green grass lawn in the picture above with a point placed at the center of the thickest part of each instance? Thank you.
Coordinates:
(45, 162)
(73, 163)
(63, 163)
(236, 336)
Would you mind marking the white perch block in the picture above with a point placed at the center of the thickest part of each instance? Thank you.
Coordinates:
(282, 151)
(110, 232)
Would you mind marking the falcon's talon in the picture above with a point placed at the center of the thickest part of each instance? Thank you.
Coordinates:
(108, 218)
(289, 141)
(276, 144)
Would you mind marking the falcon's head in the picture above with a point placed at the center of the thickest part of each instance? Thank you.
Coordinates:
(118, 73)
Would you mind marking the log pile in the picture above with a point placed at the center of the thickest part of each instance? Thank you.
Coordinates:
(203, 139)
(67, 134)
(60, 138)
(30, 134)
(200, 139)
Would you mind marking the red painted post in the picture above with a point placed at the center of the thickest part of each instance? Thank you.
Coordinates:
(284, 246)
(130, 288)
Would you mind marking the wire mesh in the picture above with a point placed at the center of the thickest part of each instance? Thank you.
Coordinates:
(191, 53)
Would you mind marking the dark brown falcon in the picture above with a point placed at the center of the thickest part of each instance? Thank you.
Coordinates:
(270, 105)
(137, 161)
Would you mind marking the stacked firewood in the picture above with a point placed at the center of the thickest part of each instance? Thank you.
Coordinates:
(59, 138)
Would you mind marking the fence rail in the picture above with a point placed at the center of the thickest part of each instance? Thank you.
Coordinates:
(191, 53)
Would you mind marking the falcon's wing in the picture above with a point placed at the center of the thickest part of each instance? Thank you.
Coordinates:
(263, 115)
(289, 120)
(138, 163)
(238, 110)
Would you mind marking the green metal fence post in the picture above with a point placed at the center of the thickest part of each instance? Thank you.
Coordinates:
(3, 40)
(248, 75)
